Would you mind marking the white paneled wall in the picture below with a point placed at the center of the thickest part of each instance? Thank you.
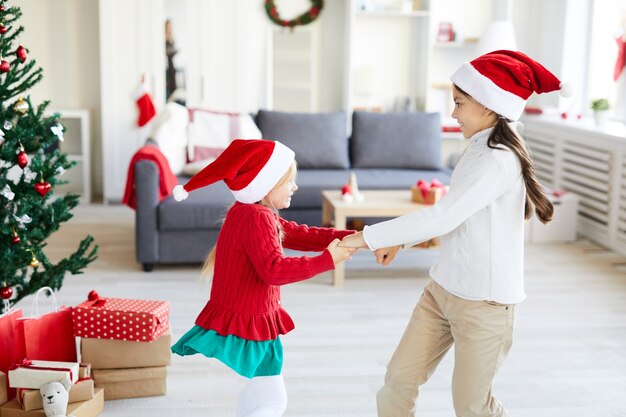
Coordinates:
(588, 161)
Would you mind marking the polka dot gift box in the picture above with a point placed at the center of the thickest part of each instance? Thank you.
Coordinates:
(120, 318)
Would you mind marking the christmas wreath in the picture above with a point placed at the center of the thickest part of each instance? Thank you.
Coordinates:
(303, 19)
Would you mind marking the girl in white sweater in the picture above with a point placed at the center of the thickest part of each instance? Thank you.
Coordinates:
(471, 300)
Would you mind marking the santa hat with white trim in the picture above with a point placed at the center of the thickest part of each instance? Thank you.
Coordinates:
(249, 167)
(503, 80)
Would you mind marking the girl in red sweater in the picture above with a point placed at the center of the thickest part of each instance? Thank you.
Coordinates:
(241, 323)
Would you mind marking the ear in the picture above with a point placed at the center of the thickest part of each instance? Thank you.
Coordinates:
(66, 382)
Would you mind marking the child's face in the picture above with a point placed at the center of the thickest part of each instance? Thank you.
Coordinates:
(471, 115)
(280, 196)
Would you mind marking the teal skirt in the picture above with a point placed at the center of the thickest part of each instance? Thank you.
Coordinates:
(248, 358)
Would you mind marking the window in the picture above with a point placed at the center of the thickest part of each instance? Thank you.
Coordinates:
(608, 24)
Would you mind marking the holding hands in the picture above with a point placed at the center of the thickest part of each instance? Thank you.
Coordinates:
(339, 253)
(384, 256)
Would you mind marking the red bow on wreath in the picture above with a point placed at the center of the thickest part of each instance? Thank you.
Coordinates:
(303, 19)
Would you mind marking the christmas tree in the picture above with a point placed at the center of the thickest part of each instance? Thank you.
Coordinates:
(30, 162)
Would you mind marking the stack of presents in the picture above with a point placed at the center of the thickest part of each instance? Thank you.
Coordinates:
(69, 361)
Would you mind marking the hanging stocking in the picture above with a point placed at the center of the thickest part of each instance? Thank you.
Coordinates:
(144, 105)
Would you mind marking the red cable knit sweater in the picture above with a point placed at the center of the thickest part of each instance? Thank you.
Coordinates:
(250, 267)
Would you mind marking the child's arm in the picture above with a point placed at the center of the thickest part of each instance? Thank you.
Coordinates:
(272, 266)
(304, 238)
(482, 184)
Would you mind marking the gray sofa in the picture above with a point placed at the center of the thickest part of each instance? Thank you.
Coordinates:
(385, 151)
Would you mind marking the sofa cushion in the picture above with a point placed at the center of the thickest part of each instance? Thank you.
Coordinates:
(319, 140)
(169, 131)
(210, 132)
(396, 140)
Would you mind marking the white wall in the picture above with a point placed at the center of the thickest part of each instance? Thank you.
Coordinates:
(62, 36)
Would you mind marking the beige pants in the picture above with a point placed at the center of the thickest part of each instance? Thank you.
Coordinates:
(482, 332)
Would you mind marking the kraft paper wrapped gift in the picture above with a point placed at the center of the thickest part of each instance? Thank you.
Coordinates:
(131, 383)
(30, 399)
(119, 354)
(90, 408)
(84, 371)
(3, 388)
(33, 374)
(120, 318)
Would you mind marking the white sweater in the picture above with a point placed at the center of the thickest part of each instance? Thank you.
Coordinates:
(481, 224)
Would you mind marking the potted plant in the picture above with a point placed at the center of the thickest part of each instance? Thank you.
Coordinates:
(600, 109)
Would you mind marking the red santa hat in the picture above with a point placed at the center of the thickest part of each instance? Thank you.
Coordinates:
(503, 80)
(249, 167)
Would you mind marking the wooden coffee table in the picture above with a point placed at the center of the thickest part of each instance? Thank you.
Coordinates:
(376, 203)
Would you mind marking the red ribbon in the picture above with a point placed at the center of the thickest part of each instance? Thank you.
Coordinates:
(95, 297)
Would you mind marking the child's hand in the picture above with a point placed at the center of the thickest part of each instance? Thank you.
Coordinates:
(338, 253)
(353, 241)
(384, 256)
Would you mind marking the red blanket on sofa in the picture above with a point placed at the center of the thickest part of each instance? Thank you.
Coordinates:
(167, 179)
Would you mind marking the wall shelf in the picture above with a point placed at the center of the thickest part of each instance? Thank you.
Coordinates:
(76, 145)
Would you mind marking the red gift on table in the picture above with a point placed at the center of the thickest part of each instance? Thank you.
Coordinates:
(120, 318)
(428, 193)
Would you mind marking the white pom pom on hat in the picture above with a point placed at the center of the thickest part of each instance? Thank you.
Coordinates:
(567, 90)
(503, 80)
(180, 193)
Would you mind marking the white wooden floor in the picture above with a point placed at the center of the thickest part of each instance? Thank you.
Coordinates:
(568, 357)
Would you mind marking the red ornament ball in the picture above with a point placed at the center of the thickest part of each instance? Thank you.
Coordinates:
(346, 189)
(21, 53)
(6, 293)
(15, 239)
(4, 66)
(3, 29)
(564, 115)
(22, 159)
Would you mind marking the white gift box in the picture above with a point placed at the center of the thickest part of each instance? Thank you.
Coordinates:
(564, 222)
(34, 374)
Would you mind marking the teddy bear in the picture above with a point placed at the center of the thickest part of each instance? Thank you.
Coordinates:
(55, 396)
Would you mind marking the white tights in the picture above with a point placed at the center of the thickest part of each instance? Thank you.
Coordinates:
(264, 396)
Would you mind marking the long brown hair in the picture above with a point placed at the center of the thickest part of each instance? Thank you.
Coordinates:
(535, 194)
(209, 263)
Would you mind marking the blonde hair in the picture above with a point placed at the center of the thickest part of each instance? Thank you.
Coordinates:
(209, 263)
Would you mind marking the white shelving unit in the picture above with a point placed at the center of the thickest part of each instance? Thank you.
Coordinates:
(76, 144)
(394, 53)
(387, 57)
(293, 73)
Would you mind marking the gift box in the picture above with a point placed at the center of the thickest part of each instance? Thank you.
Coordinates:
(33, 374)
(120, 318)
(131, 383)
(427, 193)
(84, 371)
(30, 399)
(90, 408)
(4, 389)
(119, 354)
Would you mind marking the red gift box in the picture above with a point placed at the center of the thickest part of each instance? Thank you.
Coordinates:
(120, 318)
